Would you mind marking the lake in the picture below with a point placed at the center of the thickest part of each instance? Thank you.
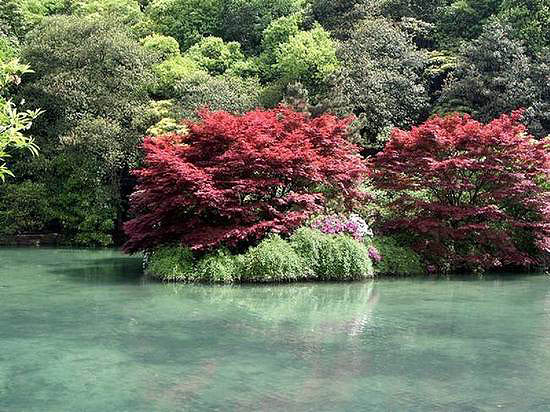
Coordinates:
(84, 330)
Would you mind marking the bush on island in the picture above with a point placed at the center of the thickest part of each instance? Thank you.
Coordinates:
(307, 255)
(171, 263)
(273, 260)
(395, 259)
(332, 257)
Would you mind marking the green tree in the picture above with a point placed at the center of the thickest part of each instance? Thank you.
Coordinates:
(245, 20)
(127, 11)
(529, 21)
(186, 20)
(92, 77)
(308, 57)
(230, 93)
(86, 69)
(464, 20)
(169, 72)
(215, 56)
(164, 47)
(278, 32)
(495, 75)
(380, 80)
(425, 10)
(338, 16)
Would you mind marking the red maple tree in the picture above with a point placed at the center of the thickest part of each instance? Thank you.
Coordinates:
(232, 179)
(469, 195)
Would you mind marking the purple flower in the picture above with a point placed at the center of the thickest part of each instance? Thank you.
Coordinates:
(374, 254)
(353, 225)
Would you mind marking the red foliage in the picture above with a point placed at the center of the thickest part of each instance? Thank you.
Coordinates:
(233, 179)
(469, 195)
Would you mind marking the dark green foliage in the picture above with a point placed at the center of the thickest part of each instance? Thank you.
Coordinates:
(529, 21)
(495, 75)
(337, 16)
(91, 77)
(127, 12)
(80, 196)
(73, 82)
(380, 80)
(186, 20)
(441, 64)
(464, 20)
(397, 259)
(423, 10)
(229, 93)
(245, 20)
(12, 23)
(24, 208)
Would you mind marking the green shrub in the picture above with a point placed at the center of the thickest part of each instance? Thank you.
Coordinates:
(344, 258)
(214, 55)
(229, 93)
(171, 263)
(397, 259)
(309, 244)
(126, 11)
(217, 267)
(170, 71)
(308, 255)
(24, 208)
(185, 20)
(7, 49)
(165, 47)
(308, 57)
(273, 260)
(332, 257)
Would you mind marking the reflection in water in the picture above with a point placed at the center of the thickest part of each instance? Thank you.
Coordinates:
(83, 330)
(304, 320)
(348, 312)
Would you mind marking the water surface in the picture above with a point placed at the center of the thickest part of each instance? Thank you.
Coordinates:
(83, 330)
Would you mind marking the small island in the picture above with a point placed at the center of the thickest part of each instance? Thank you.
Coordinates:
(279, 196)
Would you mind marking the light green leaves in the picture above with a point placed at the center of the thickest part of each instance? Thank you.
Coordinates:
(13, 122)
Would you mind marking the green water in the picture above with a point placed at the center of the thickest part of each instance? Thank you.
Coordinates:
(84, 331)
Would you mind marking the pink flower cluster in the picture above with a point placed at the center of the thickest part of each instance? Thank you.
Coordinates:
(374, 254)
(353, 225)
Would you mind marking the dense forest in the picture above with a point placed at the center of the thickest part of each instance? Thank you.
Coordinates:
(83, 82)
